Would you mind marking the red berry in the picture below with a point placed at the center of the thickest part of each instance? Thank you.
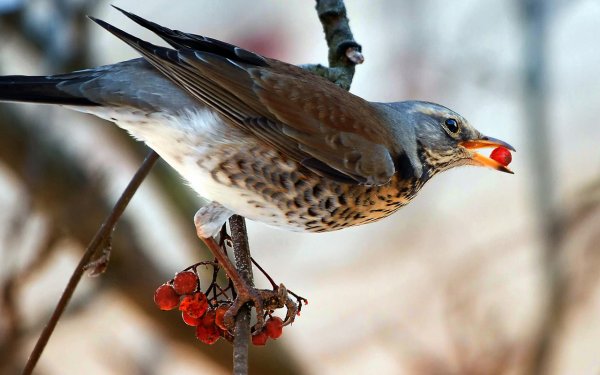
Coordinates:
(501, 155)
(190, 321)
(165, 297)
(274, 327)
(185, 282)
(208, 319)
(207, 331)
(208, 335)
(260, 338)
(194, 305)
(220, 315)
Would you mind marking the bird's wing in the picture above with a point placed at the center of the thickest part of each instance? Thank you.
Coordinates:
(281, 104)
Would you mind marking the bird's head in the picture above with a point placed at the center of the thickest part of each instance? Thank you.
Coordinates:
(445, 139)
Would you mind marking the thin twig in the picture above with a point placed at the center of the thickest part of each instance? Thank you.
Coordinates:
(99, 238)
(262, 270)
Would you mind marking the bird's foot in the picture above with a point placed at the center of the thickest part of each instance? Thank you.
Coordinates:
(245, 293)
(279, 298)
(209, 220)
(265, 302)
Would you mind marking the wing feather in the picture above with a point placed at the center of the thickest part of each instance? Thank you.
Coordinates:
(282, 105)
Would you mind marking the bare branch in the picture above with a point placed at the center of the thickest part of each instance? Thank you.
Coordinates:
(99, 239)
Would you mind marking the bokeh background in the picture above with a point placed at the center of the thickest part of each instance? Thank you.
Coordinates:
(484, 273)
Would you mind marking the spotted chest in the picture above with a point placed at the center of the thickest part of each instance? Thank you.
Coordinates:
(282, 193)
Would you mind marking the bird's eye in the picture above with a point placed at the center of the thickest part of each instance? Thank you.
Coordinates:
(451, 125)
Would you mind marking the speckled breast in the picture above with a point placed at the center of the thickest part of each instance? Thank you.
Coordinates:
(282, 193)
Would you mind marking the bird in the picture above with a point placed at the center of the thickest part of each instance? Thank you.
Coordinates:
(261, 138)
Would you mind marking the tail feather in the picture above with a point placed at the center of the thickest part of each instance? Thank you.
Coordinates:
(68, 89)
(41, 89)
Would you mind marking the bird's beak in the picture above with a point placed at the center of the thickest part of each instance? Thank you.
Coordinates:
(484, 161)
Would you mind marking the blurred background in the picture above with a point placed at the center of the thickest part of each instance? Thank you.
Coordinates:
(484, 273)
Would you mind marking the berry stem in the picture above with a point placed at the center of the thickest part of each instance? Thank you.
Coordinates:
(273, 284)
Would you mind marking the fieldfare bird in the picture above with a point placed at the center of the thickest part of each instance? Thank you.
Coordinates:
(262, 138)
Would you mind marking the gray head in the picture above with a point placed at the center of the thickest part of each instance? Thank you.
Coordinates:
(444, 139)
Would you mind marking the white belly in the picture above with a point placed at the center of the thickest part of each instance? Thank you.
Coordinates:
(185, 140)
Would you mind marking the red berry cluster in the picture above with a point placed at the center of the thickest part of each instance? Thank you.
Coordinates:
(205, 309)
(196, 311)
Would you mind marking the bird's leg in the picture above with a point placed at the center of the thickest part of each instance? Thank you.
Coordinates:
(209, 220)
(244, 292)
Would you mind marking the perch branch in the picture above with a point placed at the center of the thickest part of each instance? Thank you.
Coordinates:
(243, 263)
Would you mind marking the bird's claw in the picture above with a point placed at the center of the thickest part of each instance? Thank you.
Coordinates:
(292, 311)
(279, 298)
(245, 295)
(263, 300)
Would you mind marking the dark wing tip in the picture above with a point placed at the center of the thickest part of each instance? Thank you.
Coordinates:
(145, 48)
(115, 30)
(128, 38)
(103, 24)
(130, 15)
